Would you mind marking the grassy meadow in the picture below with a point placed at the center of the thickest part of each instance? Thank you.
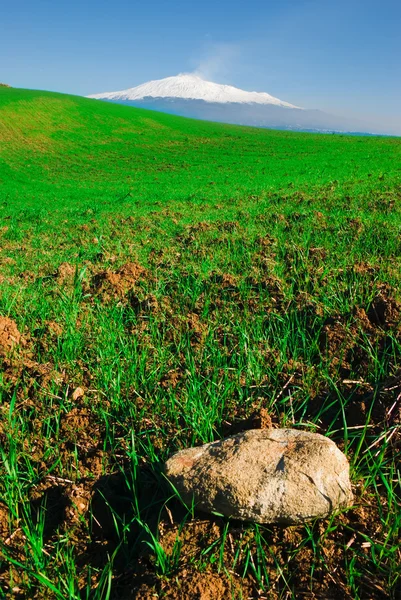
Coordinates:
(164, 283)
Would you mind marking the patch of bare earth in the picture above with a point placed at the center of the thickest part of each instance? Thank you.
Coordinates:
(212, 556)
(9, 335)
(65, 273)
(193, 584)
(17, 359)
(116, 284)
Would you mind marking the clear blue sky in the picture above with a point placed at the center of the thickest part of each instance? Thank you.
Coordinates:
(342, 56)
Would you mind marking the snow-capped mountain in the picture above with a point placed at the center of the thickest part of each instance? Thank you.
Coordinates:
(188, 95)
(192, 87)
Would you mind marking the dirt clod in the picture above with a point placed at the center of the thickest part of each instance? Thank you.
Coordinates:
(116, 284)
(78, 393)
(65, 273)
(9, 335)
(384, 311)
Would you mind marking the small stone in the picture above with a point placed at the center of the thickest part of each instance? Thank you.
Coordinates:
(78, 393)
(267, 476)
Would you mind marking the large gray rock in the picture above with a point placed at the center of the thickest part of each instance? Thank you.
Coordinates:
(267, 476)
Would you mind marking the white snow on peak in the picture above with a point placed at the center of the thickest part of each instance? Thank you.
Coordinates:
(192, 87)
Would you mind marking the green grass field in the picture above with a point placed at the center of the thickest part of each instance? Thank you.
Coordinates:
(166, 282)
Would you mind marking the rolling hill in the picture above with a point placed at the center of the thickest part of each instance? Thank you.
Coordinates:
(67, 149)
(165, 283)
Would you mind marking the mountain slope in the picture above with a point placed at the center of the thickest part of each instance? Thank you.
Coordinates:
(191, 96)
(254, 115)
(192, 87)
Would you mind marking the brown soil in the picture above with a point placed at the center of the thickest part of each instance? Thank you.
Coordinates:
(4, 522)
(9, 335)
(340, 341)
(171, 379)
(385, 311)
(116, 284)
(65, 273)
(282, 548)
(194, 585)
(96, 499)
(258, 419)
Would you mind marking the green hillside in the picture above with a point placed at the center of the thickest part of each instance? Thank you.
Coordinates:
(49, 140)
(167, 282)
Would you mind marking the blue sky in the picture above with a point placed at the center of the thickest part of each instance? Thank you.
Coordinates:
(342, 56)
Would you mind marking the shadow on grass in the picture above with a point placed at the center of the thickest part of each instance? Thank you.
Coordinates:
(125, 511)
